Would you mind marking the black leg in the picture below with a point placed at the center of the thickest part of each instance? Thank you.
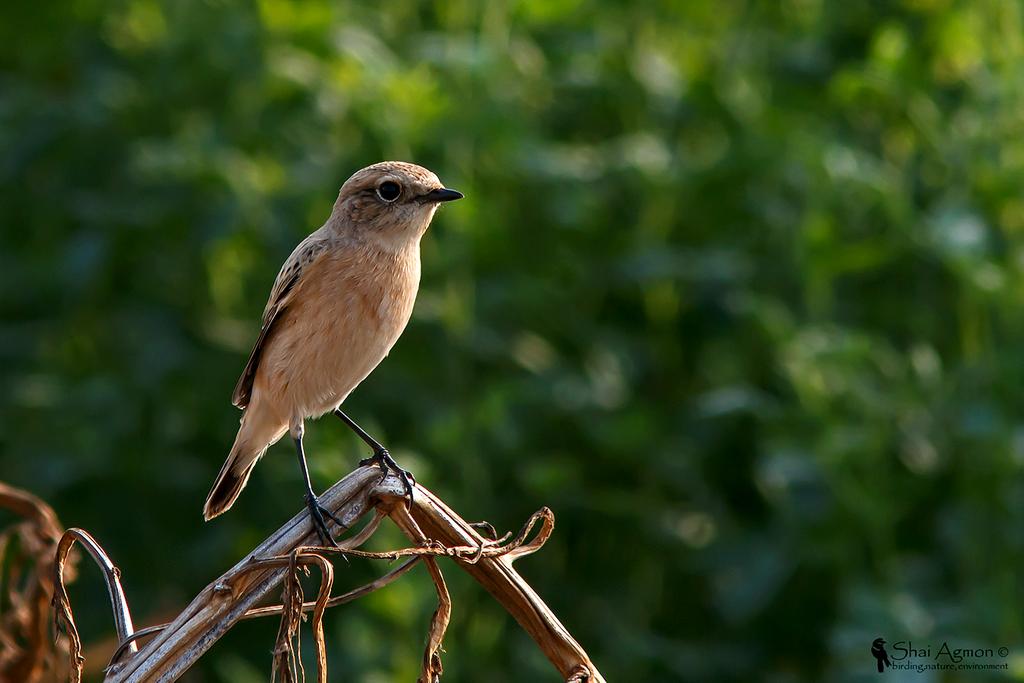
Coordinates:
(380, 457)
(316, 511)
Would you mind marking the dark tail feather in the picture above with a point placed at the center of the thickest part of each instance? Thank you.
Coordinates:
(233, 476)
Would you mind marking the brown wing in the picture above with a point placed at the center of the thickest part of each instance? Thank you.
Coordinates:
(300, 259)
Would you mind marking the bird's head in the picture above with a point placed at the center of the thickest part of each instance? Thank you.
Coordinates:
(391, 202)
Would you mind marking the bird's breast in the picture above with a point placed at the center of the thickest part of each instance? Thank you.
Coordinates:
(348, 312)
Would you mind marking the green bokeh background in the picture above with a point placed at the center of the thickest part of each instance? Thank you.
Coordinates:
(737, 290)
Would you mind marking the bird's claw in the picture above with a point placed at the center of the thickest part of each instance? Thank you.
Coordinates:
(387, 464)
(317, 512)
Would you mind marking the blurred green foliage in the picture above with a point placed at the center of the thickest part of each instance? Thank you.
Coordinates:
(737, 290)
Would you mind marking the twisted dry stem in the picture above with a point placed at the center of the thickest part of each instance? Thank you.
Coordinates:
(436, 531)
(27, 545)
(62, 602)
(432, 669)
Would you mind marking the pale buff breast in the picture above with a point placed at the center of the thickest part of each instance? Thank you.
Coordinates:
(347, 312)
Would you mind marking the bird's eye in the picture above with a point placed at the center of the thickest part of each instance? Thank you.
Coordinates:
(389, 191)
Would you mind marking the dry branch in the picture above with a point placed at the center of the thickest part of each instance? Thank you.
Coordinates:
(227, 599)
(436, 532)
(439, 523)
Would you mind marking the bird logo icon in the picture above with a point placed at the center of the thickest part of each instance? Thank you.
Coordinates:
(879, 653)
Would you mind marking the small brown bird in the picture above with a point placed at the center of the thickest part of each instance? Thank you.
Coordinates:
(337, 307)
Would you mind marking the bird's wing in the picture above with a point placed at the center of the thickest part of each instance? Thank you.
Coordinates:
(291, 272)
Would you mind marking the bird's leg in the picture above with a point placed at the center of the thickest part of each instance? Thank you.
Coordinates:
(316, 511)
(381, 456)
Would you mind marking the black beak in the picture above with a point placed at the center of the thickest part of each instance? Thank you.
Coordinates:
(441, 194)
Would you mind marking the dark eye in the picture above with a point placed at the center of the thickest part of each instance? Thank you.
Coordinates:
(389, 191)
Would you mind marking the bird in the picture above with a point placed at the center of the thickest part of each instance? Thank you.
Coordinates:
(879, 653)
(338, 305)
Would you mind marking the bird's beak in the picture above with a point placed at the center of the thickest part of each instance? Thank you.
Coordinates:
(441, 194)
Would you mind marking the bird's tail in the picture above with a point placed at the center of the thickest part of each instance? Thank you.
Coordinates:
(234, 473)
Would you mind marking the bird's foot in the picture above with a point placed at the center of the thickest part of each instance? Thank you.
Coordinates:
(387, 464)
(317, 514)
